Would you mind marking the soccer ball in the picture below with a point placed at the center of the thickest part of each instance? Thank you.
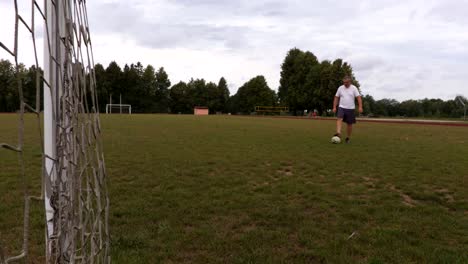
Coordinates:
(336, 140)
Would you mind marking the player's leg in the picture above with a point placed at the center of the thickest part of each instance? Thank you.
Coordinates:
(350, 119)
(339, 121)
(349, 132)
(339, 125)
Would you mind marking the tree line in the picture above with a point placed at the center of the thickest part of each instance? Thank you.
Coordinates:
(308, 84)
(305, 84)
(9, 98)
(432, 108)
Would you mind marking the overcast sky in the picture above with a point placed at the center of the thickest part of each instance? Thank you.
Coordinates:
(398, 49)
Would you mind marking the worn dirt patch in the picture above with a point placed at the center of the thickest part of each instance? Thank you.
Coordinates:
(370, 183)
(260, 184)
(407, 200)
(286, 170)
(446, 194)
(367, 179)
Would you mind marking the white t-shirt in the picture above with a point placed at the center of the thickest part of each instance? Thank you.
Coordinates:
(347, 96)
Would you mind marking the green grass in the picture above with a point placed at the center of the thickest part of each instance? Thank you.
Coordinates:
(218, 189)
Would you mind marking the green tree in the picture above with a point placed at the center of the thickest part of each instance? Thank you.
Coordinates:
(148, 87)
(133, 89)
(330, 77)
(9, 99)
(29, 81)
(254, 93)
(410, 108)
(307, 84)
(29, 78)
(112, 83)
(223, 92)
(197, 92)
(450, 108)
(296, 84)
(101, 86)
(232, 105)
(368, 104)
(212, 97)
(163, 83)
(180, 99)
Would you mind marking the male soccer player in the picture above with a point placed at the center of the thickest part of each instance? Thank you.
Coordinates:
(346, 95)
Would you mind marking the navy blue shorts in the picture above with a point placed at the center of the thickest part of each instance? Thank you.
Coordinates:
(348, 115)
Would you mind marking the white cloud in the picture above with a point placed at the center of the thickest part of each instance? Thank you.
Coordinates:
(399, 49)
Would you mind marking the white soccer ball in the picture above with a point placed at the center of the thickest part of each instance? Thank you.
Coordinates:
(336, 140)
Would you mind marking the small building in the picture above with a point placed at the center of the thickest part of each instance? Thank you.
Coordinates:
(201, 110)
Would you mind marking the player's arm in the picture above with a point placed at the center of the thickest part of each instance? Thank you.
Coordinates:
(359, 99)
(335, 103)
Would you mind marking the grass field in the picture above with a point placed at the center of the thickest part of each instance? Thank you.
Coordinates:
(218, 189)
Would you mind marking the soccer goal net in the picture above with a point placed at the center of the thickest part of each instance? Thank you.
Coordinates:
(74, 192)
(118, 109)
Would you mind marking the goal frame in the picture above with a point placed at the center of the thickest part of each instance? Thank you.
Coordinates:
(271, 109)
(120, 106)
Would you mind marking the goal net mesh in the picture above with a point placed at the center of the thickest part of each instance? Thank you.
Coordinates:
(74, 189)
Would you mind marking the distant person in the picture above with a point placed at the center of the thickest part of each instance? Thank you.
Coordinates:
(346, 96)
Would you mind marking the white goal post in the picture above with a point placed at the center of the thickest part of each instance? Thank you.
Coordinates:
(119, 107)
(75, 191)
(465, 106)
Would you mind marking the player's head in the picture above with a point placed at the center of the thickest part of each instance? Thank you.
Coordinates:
(347, 81)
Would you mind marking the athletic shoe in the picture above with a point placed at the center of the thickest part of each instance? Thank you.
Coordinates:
(347, 140)
(337, 135)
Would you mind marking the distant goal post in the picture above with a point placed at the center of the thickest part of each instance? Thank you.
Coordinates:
(271, 109)
(118, 109)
